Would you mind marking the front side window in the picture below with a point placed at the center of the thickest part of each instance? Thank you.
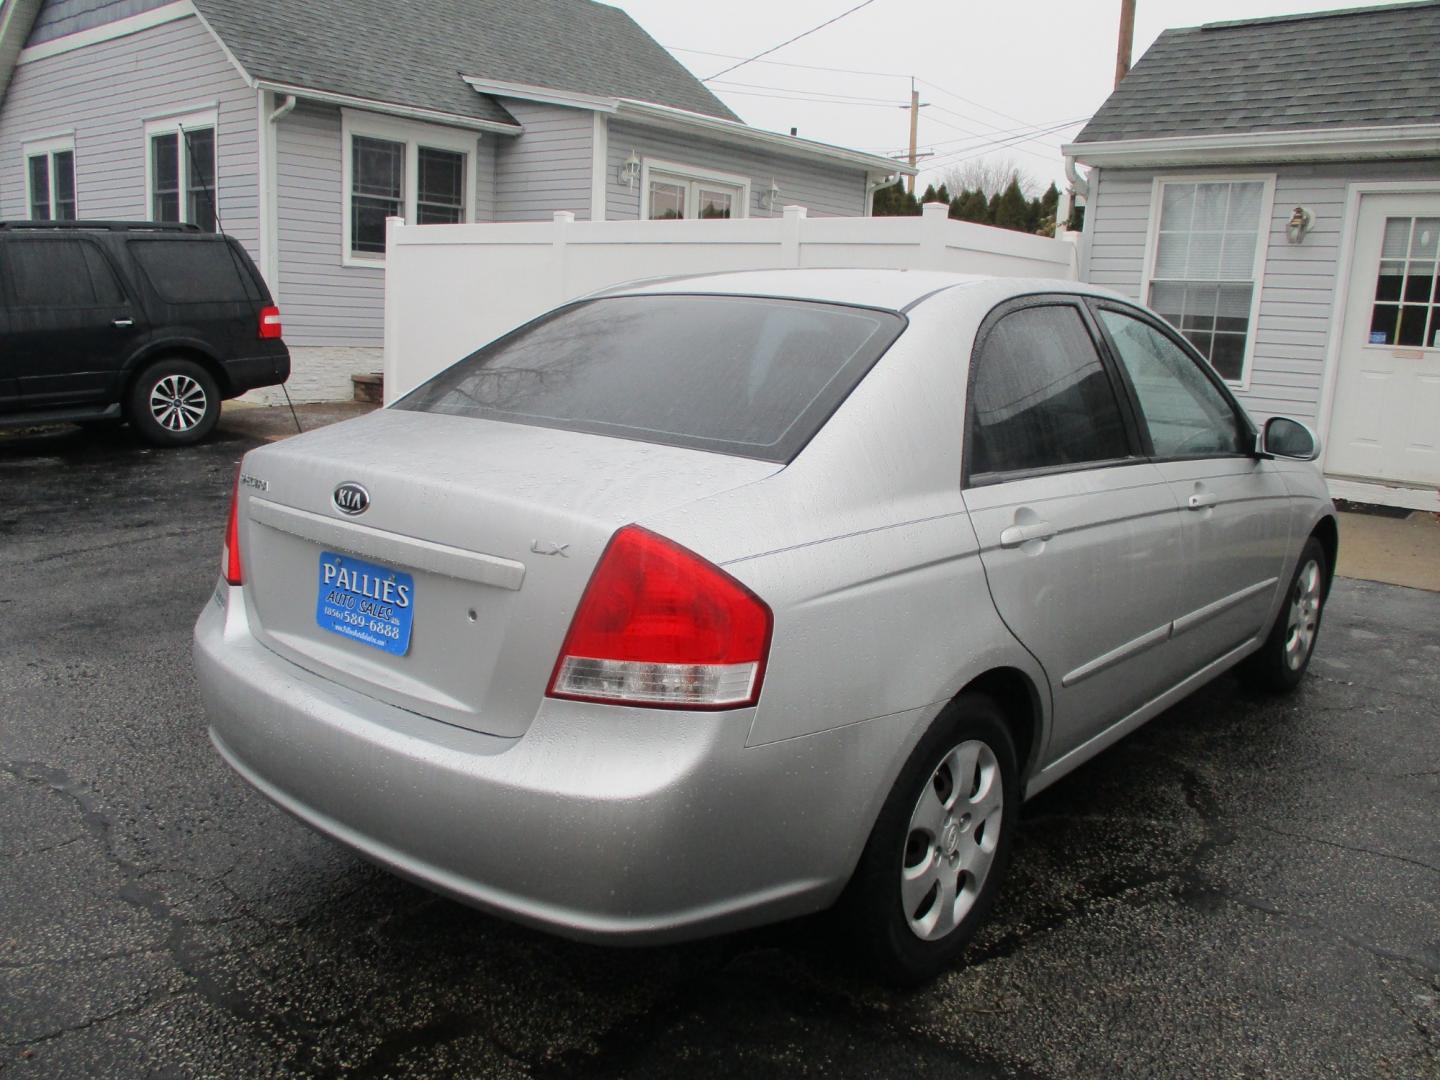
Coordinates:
(671, 195)
(182, 175)
(1040, 397)
(1186, 413)
(1203, 276)
(734, 375)
(440, 194)
(51, 179)
(1407, 292)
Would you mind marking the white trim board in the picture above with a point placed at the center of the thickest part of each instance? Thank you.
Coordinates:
(599, 163)
(1263, 147)
(132, 24)
(689, 174)
(199, 116)
(1365, 491)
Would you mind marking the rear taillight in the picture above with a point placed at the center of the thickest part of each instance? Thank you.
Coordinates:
(230, 556)
(270, 322)
(661, 627)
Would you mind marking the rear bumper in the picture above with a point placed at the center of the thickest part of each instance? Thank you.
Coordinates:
(251, 372)
(600, 823)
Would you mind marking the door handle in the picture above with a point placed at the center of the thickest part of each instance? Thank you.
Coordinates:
(1200, 501)
(1016, 535)
(122, 324)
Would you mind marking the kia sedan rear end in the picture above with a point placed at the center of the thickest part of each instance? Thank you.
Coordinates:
(666, 614)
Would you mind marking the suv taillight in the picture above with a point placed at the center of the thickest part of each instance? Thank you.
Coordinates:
(270, 322)
(661, 627)
(230, 556)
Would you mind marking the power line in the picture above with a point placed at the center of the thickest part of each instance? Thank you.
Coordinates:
(786, 63)
(977, 104)
(791, 41)
(965, 153)
(815, 93)
(814, 100)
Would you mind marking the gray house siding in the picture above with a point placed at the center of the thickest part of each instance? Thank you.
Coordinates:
(1298, 280)
(60, 17)
(825, 190)
(104, 93)
(547, 168)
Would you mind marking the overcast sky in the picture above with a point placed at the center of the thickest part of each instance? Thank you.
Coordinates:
(990, 68)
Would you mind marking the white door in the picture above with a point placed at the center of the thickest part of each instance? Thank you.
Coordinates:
(1386, 420)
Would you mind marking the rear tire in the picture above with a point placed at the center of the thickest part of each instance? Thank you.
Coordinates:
(938, 852)
(174, 402)
(1280, 663)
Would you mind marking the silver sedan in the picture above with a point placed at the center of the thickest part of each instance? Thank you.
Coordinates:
(709, 602)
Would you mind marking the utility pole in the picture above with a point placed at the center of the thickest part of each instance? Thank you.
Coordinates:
(1127, 40)
(915, 106)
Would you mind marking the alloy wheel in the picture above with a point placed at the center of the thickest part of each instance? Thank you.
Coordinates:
(1303, 619)
(177, 402)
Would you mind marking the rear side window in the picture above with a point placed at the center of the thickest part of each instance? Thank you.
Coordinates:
(60, 273)
(1041, 398)
(195, 271)
(737, 375)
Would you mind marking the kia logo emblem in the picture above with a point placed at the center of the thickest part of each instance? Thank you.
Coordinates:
(350, 498)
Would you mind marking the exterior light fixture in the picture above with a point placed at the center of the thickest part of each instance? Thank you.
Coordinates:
(771, 199)
(1299, 225)
(630, 171)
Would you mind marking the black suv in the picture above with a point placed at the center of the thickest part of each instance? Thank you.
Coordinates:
(140, 321)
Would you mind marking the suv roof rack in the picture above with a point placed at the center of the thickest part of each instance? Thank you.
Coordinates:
(111, 226)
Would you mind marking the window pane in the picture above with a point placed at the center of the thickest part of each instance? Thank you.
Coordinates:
(1177, 207)
(1392, 276)
(1187, 416)
(1041, 396)
(667, 201)
(200, 178)
(1200, 309)
(102, 278)
(1419, 283)
(51, 273)
(40, 188)
(1425, 238)
(1384, 321)
(736, 375)
(377, 191)
(441, 198)
(62, 163)
(1397, 238)
(192, 271)
(1412, 325)
(165, 177)
(717, 202)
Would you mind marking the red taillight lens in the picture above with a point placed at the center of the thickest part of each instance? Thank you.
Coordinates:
(660, 626)
(230, 557)
(270, 322)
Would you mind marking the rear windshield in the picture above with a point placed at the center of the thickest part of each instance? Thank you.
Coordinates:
(738, 375)
(195, 271)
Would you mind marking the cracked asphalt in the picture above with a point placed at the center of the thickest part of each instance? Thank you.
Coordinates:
(1246, 887)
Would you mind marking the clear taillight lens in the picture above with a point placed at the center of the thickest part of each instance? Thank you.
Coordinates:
(270, 322)
(659, 626)
(230, 556)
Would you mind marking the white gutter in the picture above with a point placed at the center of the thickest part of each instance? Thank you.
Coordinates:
(1308, 144)
(409, 112)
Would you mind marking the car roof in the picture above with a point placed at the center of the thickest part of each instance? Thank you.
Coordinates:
(892, 290)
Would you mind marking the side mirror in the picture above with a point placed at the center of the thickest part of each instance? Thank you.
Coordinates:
(1286, 438)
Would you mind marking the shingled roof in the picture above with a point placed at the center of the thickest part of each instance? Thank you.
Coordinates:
(414, 53)
(1361, 67)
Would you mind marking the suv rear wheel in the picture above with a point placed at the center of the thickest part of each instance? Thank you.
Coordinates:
(174, 402)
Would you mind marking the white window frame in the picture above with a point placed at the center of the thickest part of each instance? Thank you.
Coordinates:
(1262, 248)
(690, 175)
(48, 148)
(413, 135)
(170, 125)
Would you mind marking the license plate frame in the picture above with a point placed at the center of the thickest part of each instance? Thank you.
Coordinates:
(365, 602)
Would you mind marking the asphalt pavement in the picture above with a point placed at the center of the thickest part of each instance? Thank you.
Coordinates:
(1246, 887)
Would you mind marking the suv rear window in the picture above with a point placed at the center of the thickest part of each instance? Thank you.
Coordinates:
(747, 376)
(194, 271)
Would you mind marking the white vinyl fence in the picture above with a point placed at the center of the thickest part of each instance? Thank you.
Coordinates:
(451, 288)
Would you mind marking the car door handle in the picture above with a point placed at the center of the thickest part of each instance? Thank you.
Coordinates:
(122, 324)
(1016, 535)
(1201, 500)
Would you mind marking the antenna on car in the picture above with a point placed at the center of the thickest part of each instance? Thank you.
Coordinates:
(220, 228)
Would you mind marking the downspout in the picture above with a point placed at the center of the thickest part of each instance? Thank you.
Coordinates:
(270, 181)
(285, 108)
(1078, 187)
(872, 186)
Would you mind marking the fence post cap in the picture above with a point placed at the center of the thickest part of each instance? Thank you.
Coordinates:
(564, 215)
(795, 211)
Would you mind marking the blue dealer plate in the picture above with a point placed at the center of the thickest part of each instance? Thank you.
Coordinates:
(365, 602)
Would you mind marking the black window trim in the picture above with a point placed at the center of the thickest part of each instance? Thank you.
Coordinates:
(1097, 304)
(1123, 402)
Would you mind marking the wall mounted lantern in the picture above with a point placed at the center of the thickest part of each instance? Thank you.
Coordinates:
(770, 200)
(630, 171)
(1299, 225)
